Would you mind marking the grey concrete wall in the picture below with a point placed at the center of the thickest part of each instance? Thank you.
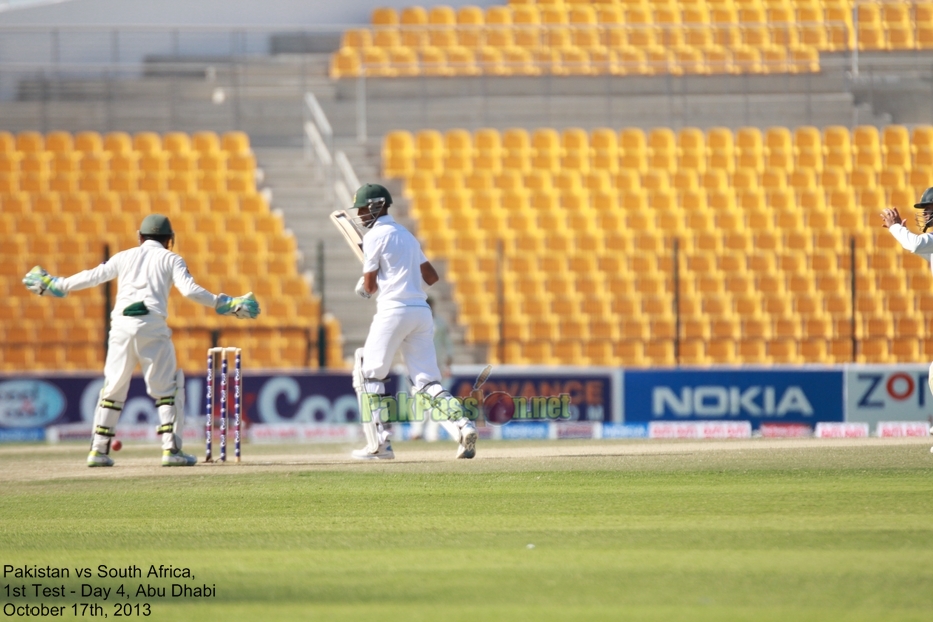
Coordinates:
(298, 13)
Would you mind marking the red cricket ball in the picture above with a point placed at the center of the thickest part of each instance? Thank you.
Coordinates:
(499, 407)
(116, 445)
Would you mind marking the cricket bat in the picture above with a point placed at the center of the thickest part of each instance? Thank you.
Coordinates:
(350, 232)
(479, 395)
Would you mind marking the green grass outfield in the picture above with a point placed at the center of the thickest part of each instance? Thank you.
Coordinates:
(570, 530)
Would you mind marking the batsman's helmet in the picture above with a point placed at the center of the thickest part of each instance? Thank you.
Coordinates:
(371, 201)
(925, 217)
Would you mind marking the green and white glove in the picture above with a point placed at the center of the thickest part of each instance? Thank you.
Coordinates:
(245, 307)
(40, 282)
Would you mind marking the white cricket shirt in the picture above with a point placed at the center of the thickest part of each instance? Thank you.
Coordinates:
(395, 255)
(144, 274)
(919, 244)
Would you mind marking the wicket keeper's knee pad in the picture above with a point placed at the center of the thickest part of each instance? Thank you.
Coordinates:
(107, 414)
(172, 413)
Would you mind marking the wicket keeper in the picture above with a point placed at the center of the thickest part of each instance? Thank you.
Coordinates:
(139, 333)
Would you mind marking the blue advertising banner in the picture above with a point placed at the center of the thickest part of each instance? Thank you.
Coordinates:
(755, 395)
(35, 402)
(22, 435)
(591, 392)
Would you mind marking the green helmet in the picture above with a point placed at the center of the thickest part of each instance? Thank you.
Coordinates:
(371, 200)
(156, 224)
(371, 193)
(925, 217)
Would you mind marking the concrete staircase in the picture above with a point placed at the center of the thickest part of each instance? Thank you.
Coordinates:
(302, 192)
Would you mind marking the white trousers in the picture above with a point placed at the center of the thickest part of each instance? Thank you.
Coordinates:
(145, 341)
(409, 330)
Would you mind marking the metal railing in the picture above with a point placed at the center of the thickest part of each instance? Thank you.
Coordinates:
(319, 147)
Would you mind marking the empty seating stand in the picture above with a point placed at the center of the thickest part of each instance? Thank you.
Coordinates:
(586, 221)
(66, 197)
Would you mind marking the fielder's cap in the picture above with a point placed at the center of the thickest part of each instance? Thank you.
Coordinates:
(369, 192)
(926, 198)
(156, 224)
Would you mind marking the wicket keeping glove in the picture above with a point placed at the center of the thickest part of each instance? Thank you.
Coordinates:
(40, 282)
(244, 307)
(361, 289)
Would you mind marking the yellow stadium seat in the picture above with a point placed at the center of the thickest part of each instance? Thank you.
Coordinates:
(118, 143)
(176, 143)
(838, 148)
(30, 142)
(38, 162)
(413, 27)
(499, 32)
(356, 38)
(921, 177)
(7, 143)
(870, 31)
(236, 143)
(34, 182)
(527, 26)
(839, 31)
(584, 30)
(345, 63)
(59, 142)
(384, 16)
(147, 143)
(205, 143)
(470, 20)
(374, 62)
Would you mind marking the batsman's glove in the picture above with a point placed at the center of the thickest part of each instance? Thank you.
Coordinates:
(40, 282)
(361, 289)
(244, 307)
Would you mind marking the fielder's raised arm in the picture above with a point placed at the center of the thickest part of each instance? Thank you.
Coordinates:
(921, 244)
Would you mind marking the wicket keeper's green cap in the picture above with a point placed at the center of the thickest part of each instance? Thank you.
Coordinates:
(155, 224)
(370, 192)
(926, 198)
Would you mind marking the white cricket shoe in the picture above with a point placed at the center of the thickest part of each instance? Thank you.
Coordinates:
(385, 453)
(177, 458)
(467, 448)
(97, 459)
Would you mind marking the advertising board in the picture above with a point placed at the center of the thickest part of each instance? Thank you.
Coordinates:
(764, 395)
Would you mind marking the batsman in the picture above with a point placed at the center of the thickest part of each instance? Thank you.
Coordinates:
(395, 266)
(139, 333)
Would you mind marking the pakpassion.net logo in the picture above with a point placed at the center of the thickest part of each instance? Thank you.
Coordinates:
(497, 408)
